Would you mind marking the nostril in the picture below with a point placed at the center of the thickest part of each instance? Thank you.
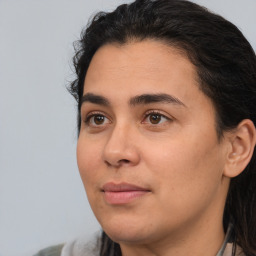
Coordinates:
(123, 161)
(118, 163)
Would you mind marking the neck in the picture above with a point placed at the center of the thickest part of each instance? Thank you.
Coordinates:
(197, 236)
(203, 239)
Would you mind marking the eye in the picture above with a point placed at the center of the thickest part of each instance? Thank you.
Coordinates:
(95, 120)
(155, 118)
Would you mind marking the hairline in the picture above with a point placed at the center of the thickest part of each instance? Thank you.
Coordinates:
(180, 49)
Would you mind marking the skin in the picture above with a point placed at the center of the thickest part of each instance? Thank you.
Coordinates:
(179, 159)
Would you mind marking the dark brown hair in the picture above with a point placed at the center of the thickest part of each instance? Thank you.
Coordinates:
(226, 67)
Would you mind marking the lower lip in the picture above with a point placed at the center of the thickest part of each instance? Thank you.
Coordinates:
(123, 197)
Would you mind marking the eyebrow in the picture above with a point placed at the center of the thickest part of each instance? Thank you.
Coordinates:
(155, 98)
(136, 100)
(96, 99)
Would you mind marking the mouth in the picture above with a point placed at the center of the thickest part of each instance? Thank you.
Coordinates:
(122, 193)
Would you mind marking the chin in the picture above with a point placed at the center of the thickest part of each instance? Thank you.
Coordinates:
(125, 231)
(126, 236)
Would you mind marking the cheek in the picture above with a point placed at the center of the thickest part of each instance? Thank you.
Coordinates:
(186, 168)
(90, 165)
(88, 159)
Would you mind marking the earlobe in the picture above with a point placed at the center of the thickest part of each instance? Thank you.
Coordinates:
(242, 141)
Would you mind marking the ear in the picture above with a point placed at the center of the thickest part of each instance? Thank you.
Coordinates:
(242, 142)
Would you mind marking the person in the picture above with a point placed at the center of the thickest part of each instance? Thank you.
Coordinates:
(166, 94)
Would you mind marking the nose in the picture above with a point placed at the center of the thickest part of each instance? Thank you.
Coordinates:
(121, 148)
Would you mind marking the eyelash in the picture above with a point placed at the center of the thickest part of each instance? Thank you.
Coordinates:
(147, 114)
(156, 112)
(93, 114)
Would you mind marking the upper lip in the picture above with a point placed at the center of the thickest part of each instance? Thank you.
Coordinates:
(121, 187)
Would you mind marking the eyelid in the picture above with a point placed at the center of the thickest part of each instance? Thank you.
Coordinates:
(91, 114)
(158, 112)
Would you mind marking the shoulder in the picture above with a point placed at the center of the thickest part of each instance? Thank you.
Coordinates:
(81, 247)
(51, 251)
(78, 247)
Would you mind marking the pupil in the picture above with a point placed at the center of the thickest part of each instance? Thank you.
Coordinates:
(99, 119)
(155, 119)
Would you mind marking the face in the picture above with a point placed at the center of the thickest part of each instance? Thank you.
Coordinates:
(148, 152)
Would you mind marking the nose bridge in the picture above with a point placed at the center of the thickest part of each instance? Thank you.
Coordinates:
(121, 147)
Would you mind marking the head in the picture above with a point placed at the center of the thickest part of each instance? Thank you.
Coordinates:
(200, 82)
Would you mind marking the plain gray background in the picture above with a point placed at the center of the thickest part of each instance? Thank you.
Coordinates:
(42, 200)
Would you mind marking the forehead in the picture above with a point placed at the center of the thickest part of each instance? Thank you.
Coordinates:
(137, 63)
(142, 67)
(122, 73)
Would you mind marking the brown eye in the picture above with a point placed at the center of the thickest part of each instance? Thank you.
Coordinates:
(155, 118)
(98, 119)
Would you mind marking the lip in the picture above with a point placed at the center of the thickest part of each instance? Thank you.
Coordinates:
(122, 193)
